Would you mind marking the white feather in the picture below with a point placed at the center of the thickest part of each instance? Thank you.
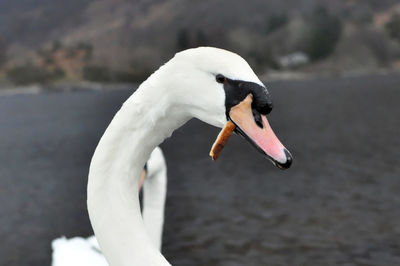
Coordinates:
(79, 251)
(182, 89)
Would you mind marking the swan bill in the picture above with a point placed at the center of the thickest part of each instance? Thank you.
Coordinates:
(255, 128)
(142, 177)
(221, 140)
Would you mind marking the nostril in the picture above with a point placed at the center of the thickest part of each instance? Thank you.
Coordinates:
(257, 118)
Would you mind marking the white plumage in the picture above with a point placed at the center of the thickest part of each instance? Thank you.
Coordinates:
(79, 251)
(182, 89)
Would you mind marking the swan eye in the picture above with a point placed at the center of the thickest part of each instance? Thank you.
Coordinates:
(220, 78)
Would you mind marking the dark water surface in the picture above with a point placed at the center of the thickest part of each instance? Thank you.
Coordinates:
(337, 205)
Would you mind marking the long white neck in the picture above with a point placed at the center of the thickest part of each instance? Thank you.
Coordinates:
(142, 123)
(154, 193)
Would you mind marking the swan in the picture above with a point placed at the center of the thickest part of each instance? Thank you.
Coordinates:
(211, 84)
(79, 251)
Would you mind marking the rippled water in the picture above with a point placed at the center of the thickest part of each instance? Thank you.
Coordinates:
(337, 205)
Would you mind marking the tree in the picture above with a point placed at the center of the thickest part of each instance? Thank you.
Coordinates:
(275, 22)
(27, 74)
(393, 27)
(56, 44)
(323, 34)
(3, 52)
(88, 47)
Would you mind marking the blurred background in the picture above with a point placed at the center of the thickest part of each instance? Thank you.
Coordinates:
(332, 68)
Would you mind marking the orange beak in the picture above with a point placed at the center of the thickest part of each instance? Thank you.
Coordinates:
(259, 134)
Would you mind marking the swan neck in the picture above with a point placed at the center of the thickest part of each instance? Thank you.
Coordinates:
(141, 124)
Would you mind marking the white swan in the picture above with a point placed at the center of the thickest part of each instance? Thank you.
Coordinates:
(79, 251)
(207, 83)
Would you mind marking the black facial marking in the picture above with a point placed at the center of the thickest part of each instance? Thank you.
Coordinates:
(237, 90)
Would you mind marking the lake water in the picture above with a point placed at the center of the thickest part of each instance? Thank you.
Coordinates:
(337, 205)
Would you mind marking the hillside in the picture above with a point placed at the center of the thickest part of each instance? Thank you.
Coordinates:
(124, 40)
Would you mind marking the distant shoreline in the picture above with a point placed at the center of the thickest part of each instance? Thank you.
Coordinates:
(7, 90)
(298, 76)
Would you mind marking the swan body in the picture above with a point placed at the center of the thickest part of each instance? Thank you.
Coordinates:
(203, 83)
(79, 251)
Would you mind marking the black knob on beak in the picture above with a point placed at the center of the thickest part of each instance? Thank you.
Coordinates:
(268, 107)
(263, 104)
(262, 99)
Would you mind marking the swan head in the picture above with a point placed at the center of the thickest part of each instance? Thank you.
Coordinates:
(219, 87)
